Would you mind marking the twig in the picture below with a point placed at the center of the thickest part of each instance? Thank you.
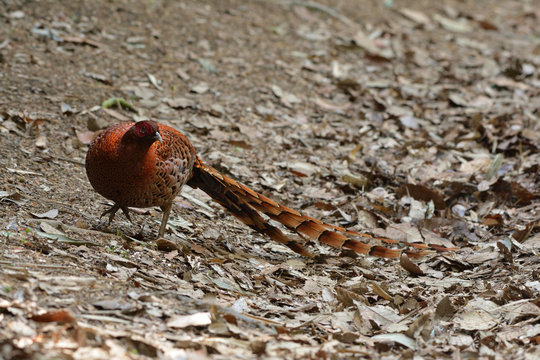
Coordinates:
(78, 162)
(104, 318)
(22, 266)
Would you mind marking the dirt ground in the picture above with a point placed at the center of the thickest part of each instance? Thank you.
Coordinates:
(414, 120)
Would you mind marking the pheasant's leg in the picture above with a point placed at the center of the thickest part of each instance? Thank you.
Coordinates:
(112, 212)
(166, 212)
(125, 210)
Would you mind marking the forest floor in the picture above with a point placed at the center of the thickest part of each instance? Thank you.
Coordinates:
(414, 120)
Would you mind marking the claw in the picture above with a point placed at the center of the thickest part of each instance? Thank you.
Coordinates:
(112, 212)
(125, 210)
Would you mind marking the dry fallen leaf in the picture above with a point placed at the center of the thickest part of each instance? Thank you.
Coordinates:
(51, 214)
(85, 137)
(59, 316)
(408, 265)
(184, 321)
(397, 338)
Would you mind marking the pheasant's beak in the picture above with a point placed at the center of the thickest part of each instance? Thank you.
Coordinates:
(158, 137)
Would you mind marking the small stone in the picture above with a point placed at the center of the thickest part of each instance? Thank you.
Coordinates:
(95, 124)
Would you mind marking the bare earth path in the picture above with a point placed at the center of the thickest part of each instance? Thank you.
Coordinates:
(415, 120)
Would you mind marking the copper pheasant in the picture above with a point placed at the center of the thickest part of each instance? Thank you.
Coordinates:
(145, 164)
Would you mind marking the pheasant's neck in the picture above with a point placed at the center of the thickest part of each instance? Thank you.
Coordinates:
(138, 157)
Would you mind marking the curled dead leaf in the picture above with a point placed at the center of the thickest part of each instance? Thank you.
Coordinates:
(381, 292)
(166, 245)
(408, 265)
(59, 316)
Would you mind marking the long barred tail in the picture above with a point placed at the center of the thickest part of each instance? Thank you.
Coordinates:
(245, 204)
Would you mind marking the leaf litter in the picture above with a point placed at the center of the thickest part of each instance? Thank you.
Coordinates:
(414, 121)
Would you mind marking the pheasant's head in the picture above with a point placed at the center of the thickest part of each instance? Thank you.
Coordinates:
(144, 132)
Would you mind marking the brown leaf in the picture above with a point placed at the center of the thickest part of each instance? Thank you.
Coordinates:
(371, 47)
(347, 297)
(81, 40)
(166, 245)
(327, 105)
(458, 26)
(98, 77)
(85, 137)
(522, 235)
(420, 192)
(59, 316)
(408, 265)
(396, 338)
(182, 74)
(416, 16)
(505, 251)
(513, 191)
(359, 181)
(115, 114)
(239, 143)
(445, 309)
(381, 292)
(324, 206)
(180, 103)
(493, 220)
(488, 25)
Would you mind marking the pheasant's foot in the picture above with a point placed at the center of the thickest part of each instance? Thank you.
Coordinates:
(112, 212)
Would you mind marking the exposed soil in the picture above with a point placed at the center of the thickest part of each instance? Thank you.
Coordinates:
(414, 120)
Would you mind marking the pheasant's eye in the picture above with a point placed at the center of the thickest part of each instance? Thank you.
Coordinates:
(143, 129)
